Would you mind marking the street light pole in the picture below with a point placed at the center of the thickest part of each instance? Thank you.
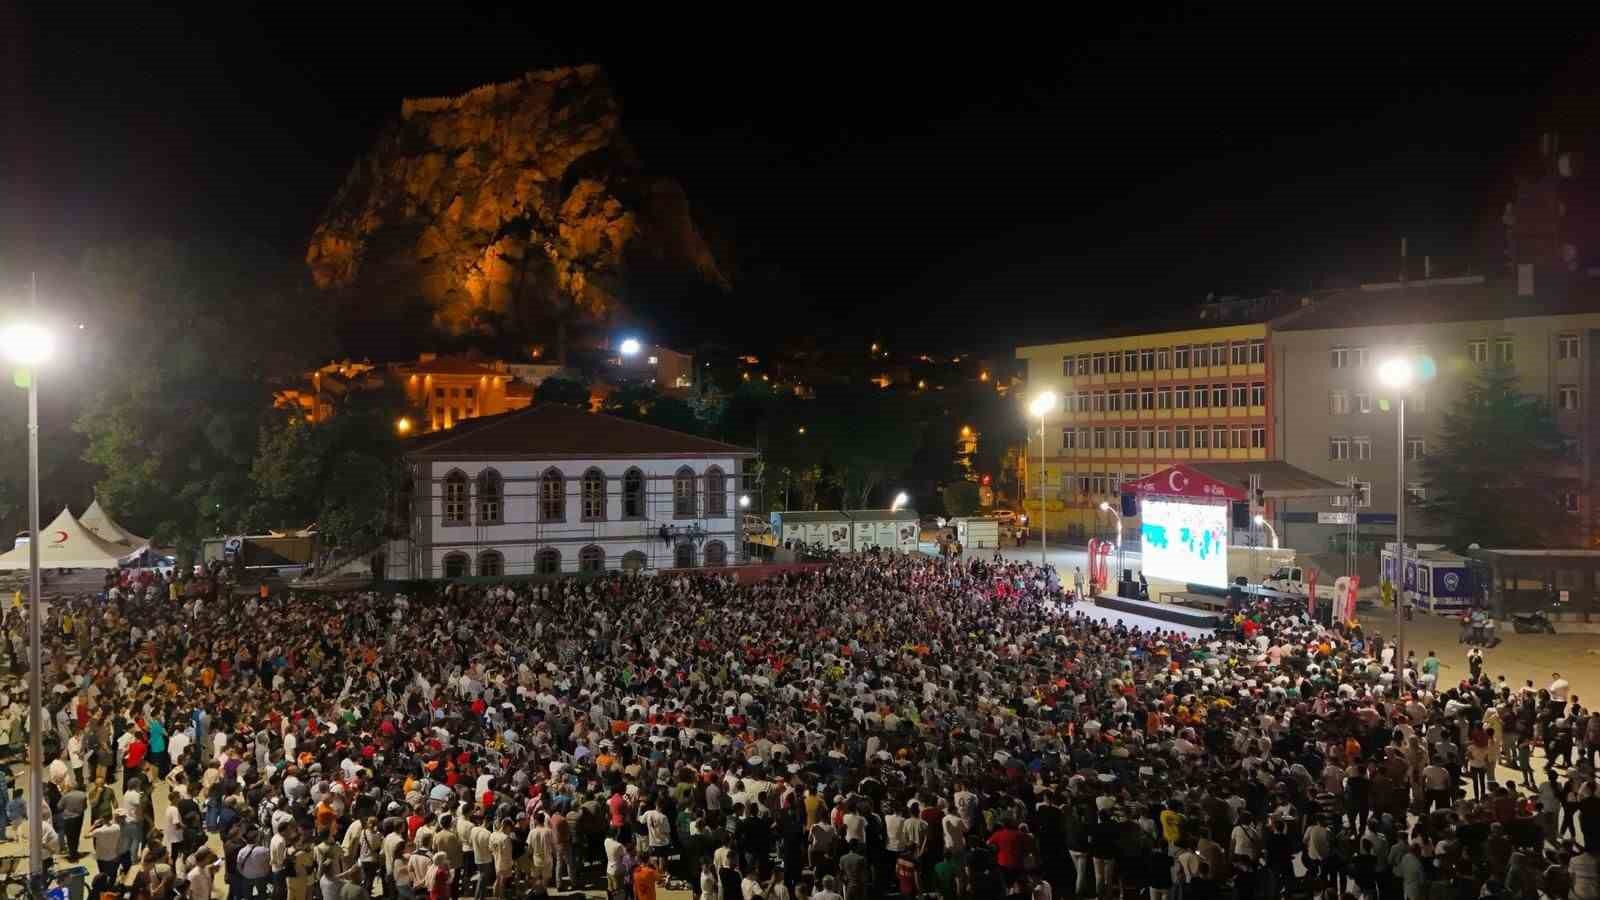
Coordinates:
(36, 654)
(1397, 374)
(1041, 406)
(1400, 544)
(28, 346)
(1042, 518)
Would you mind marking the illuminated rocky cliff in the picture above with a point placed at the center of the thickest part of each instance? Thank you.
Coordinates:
(517, 201)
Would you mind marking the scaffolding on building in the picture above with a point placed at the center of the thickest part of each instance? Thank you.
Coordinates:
(674, 538)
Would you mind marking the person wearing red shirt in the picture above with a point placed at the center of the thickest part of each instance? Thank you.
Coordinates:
(134, 757)
(619, 811)
(1009, 845)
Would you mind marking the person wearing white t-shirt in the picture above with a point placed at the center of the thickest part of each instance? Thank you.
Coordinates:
(658, 831)
(855, 827)
(955, 835)
(1558, 687)
(892, 824)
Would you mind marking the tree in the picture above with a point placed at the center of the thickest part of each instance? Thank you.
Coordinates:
(1501, 468)
(961, 499)
(562, 392)
(865, 436)
(343, 473)
(203, 332)
(642, 402)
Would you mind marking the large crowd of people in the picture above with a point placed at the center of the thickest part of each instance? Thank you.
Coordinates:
(876, 727)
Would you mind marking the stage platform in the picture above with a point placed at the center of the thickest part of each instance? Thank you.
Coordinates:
(1165, 612)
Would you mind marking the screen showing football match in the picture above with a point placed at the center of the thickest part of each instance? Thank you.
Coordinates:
(1185, 541)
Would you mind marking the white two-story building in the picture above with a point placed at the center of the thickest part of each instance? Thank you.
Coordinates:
(552, 489)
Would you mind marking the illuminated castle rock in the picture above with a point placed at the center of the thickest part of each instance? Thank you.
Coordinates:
(516, 201)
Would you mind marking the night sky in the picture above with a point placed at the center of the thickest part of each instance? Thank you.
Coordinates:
(927, 177)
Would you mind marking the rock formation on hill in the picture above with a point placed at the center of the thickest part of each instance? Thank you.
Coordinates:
(519, 201)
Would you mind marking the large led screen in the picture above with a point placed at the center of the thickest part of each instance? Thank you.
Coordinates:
(1185, 541)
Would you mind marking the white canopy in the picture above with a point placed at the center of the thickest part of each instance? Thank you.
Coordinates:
(106, 528)
(67, 544)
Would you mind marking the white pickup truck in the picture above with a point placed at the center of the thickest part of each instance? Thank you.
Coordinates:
(1290, 579)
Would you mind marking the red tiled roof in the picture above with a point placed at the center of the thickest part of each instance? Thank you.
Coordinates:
(449, 365)
(547, 431)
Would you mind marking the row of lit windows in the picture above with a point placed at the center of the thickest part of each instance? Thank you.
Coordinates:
(1501, 350)
(1199, 396)
(1360, 496)
(1097, 482)
(1568, 347)
(1359, 449)
(1182, 437)
(592, 493)
(1159, 359)
(591, 559)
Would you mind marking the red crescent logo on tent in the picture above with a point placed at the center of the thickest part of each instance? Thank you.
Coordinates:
(1177, 482)
(62, 539)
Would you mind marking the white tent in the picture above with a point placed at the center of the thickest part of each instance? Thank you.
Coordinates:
(67, 544)
(106, 528)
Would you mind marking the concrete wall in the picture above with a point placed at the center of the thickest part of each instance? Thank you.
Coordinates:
(1305, 380)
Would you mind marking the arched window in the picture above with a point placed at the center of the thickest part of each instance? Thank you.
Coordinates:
(490, 562)
(594, 495)
(716, 553)
(491, 495)
(683, 557)
(633, 494)
(633, 561)
(455, 498)
(552, 496)
(591, 559)
(683, 505)
(716, 493)
(455, 565)
(547, 561)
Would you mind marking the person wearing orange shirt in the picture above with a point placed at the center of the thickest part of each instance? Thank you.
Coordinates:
(327, 820)
(644, 881)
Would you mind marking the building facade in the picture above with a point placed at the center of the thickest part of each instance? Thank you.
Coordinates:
(451, 389)
(1333, 418)
(551, 489)
(1131, 405)
(662, 367)
(444, 390)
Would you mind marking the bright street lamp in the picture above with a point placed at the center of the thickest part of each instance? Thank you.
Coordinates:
(744, 501)
(630, 347)
(1107, 507)
(1397, 373)
(28, 345)
(900, 500)
(402, 426)
(1262, 521)
(1041, 406)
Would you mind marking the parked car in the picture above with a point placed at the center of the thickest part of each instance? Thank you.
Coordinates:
(1006, 517)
